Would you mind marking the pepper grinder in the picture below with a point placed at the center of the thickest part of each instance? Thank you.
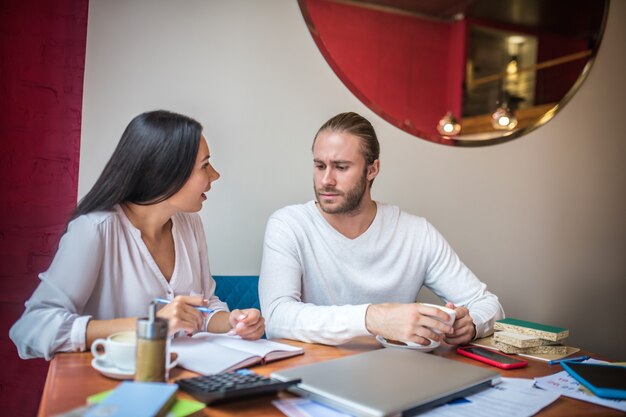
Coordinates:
(151, 347)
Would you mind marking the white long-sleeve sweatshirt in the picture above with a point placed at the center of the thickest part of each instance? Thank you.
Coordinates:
(316, 284)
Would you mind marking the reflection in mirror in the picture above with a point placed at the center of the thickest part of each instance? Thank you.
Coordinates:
(460, 72)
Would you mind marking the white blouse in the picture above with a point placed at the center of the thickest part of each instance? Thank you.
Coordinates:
(103, 270)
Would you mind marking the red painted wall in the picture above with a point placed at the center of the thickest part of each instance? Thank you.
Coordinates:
(553, 83)
(42, 59)
(409, 68)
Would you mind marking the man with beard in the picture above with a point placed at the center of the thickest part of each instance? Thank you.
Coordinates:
(345, 265)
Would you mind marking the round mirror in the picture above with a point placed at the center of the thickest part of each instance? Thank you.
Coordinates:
(460, 72)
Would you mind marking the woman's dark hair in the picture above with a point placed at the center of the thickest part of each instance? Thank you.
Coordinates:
(152, 161)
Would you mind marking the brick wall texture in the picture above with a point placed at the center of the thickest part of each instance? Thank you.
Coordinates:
(42, 60)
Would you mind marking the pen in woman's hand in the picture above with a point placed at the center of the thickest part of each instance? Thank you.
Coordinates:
(202, 309)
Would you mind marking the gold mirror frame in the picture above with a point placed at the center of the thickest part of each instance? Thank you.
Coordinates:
(529, 118)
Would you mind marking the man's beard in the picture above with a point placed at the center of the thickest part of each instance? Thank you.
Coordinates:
(353, 198)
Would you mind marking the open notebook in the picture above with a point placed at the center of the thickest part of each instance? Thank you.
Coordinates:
(209, 353)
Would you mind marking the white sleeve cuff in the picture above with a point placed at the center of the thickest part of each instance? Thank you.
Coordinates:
(78, 335)
(356, 319)
(483, 328)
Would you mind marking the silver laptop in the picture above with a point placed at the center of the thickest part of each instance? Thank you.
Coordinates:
(388, 382)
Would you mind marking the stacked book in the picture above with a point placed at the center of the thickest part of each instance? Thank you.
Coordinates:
(519, 336)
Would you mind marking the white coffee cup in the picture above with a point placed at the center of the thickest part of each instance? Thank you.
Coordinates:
(118, 350)
(446, 310)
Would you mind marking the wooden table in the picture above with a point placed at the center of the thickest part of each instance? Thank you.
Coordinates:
(71, 379)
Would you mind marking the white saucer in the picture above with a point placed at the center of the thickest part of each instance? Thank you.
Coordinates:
(111, 371)
(409, 345)
(116, 373)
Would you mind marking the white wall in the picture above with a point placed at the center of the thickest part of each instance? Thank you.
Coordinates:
(539, 219)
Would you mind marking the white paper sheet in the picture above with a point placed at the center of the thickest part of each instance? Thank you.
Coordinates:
(513, 397)
(302, 407)
(563, 383)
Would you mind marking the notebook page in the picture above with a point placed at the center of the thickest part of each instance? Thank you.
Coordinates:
(264, 348)
(200, 354)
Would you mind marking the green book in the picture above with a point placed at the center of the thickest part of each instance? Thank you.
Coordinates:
(543, 331)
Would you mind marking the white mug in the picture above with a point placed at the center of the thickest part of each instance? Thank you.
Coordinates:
(445, 309)
(118, 350)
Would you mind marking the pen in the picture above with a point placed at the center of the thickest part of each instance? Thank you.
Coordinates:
(206, 310)
(576, 359)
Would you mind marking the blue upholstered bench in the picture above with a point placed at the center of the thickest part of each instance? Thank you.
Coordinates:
(238, 291)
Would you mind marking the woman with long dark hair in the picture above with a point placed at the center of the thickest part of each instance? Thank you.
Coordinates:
(134, 237)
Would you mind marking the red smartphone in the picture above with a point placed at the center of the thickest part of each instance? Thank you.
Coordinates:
(491, 357)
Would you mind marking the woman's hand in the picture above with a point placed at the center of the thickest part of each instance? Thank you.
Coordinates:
(247, 323)
(182, 315)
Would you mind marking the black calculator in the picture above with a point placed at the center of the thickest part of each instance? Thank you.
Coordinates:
(231, 385)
